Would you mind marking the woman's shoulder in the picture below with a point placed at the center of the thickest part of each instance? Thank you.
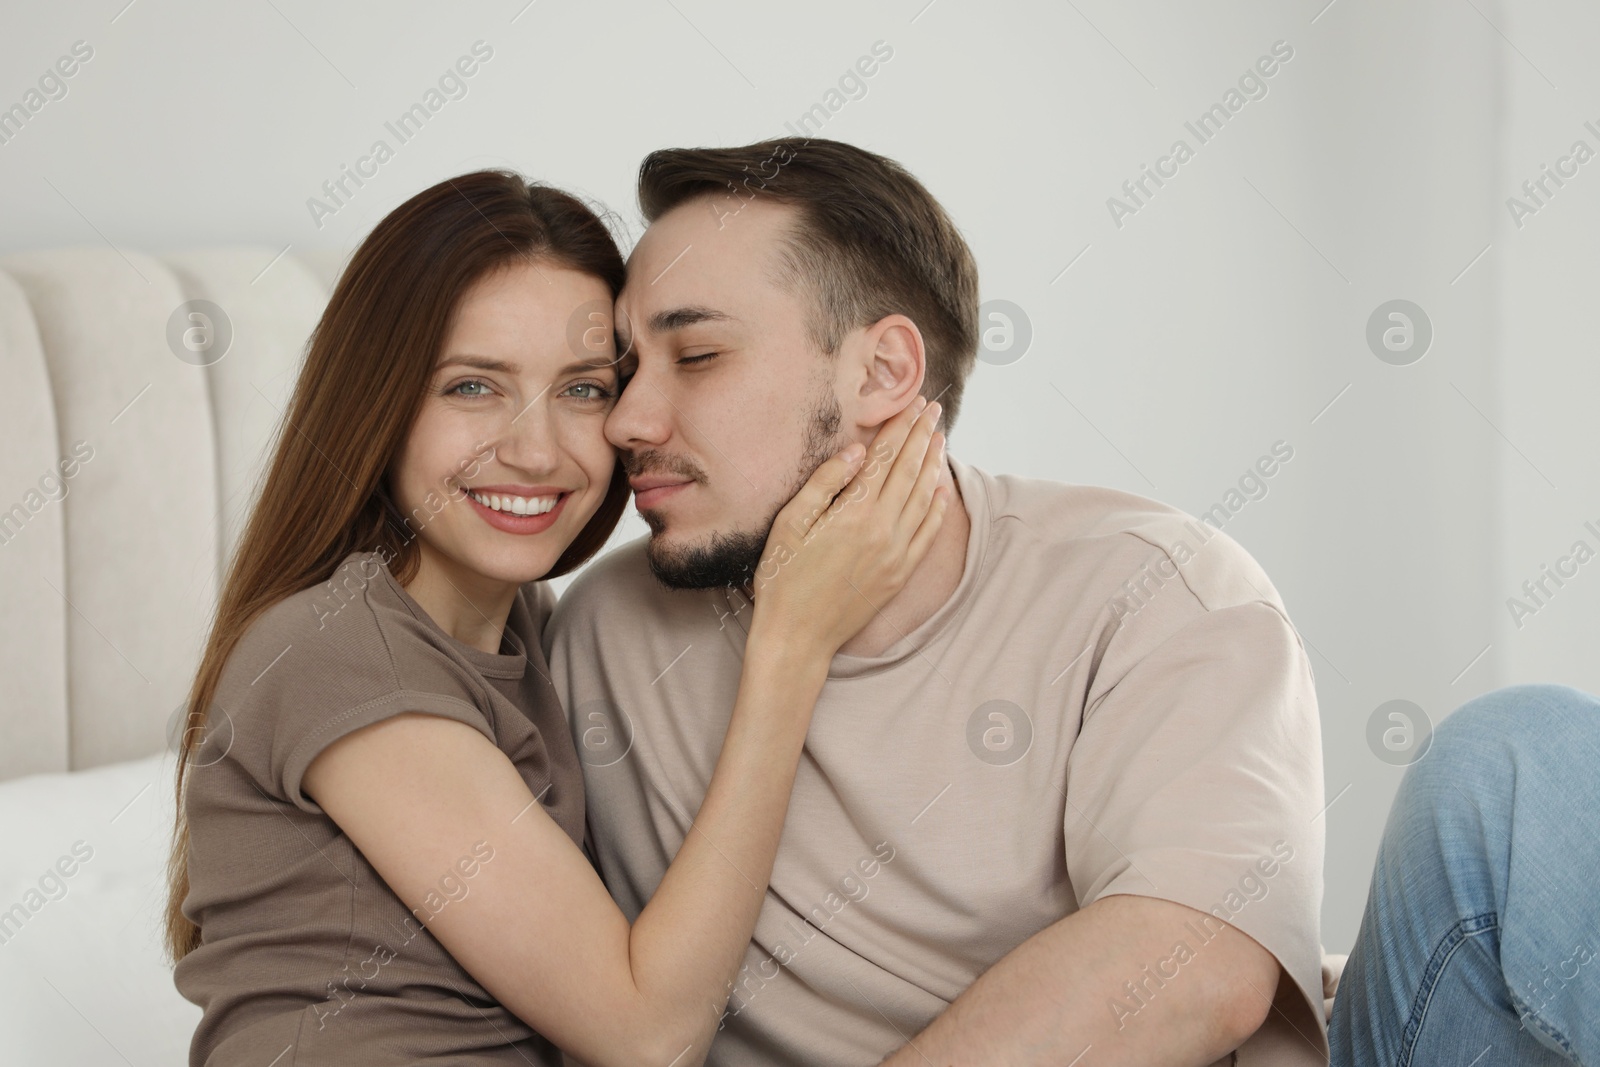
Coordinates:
(327, 660)
(353, 638)
(328, 624)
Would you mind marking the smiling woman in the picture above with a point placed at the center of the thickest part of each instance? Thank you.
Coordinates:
(388, 438)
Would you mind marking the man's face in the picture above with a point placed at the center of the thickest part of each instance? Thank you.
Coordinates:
(731, 406)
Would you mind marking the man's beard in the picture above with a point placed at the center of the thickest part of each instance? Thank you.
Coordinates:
(731, 558)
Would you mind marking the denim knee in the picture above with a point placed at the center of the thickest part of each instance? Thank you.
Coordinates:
(1544, 734)
(1534, 720)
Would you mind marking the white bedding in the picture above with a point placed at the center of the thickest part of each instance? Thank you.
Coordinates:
(83, 979)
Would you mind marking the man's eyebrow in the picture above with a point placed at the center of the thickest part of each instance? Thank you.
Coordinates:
(677, 318)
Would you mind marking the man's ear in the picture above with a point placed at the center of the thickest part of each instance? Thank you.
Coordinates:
(895, 364)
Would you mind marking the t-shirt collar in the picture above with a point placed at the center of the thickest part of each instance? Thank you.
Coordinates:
(512, 664)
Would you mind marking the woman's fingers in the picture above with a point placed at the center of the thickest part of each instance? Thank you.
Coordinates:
(908, 464)
(851, 537)
(923, 538)
(797, 517)
(888, 445)
(887, 481)
(920, 500)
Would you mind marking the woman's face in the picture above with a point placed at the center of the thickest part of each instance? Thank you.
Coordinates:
(508, 459)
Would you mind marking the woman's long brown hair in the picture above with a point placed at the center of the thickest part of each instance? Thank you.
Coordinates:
(366, 371)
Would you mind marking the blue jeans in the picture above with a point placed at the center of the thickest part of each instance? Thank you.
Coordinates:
(1480, 945)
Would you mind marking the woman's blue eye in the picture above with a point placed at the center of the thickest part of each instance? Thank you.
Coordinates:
(473, 389)
(599, 392)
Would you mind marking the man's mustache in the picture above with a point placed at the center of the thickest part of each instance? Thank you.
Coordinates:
(655, 461)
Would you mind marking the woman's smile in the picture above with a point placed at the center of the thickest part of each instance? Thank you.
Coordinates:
(526, 511)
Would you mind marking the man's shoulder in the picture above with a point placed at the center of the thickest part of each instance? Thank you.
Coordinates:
(1065, 511)
(1094, 528)
(625, 567)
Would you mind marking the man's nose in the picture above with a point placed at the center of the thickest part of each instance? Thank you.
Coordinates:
(641, 417)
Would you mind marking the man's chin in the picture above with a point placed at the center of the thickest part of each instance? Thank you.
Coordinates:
(721, 559)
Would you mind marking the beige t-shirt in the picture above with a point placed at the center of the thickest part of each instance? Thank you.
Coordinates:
(1112, 701)
(309, 958)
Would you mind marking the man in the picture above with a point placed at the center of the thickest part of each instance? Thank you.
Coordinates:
(1061, 795)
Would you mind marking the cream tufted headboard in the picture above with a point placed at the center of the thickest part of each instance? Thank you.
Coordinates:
(130, 459)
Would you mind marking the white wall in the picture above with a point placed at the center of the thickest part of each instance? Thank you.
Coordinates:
(1547, 373)
(1220, 318)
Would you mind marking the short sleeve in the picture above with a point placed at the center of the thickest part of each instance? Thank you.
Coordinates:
(1197, 778)
(298, 682)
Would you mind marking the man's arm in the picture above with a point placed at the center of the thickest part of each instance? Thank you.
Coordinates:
(1110, 980)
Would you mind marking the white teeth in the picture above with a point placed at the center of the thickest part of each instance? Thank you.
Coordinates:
(516, 505)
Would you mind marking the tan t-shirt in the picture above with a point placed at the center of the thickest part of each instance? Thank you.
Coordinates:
(309, 958)
(1112, 701)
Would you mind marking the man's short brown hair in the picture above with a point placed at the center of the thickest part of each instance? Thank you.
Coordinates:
(870, 241)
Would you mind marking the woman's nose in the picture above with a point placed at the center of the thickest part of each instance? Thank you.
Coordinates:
(528, 440)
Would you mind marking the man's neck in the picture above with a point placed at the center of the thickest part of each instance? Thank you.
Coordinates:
(930, 585)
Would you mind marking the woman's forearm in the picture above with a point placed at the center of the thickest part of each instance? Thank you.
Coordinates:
(691, 938)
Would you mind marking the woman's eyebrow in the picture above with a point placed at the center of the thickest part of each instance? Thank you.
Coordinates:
(502, 367)
(479, 363)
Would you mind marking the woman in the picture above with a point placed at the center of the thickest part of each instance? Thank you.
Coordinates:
(378, 854)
